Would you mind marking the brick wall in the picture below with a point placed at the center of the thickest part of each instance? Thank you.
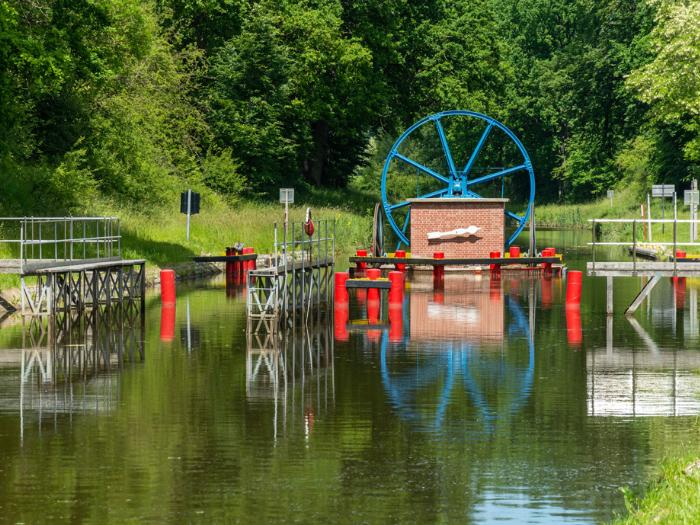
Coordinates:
(466, 310)
(429, 215)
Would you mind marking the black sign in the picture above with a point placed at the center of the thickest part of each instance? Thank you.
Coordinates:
(194, 202)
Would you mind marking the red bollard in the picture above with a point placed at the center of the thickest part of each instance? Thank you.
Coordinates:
(574, 335)
(546, 290)
(361, 265)
(679, 289)
(167, 322)
(395, 322)
(400, 254)
(373, 293)
(495, 267)
(680, 254)
(548, 252)
(514, 252)
(341, 314)
(438, 271)
(373, 310)
(341, 292)
(573, 287)
(167, 287)
(397, 286)
(495, 290)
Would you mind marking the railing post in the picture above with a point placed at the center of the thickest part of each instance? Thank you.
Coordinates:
(675, 253)
(55, 241)
(21, 249)
(119, 238)
(593, 243)
(40, 250)
(71, 238)
(634, 245)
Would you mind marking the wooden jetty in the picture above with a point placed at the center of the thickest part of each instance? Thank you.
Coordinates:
(67, 263)
(655, 271)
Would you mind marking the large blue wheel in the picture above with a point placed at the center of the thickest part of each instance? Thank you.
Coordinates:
(446, 178)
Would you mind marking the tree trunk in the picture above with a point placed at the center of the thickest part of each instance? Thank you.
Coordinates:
(320, 157)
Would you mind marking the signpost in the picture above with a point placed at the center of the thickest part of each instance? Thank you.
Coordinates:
(691, 198)
(663, 191)
(611, 194)
(286, 198)
(189, 204)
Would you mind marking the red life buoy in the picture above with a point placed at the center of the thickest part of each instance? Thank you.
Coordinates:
(308, 223)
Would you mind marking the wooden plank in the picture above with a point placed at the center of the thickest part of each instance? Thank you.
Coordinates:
(429, 261)
(629, 269)
(366, 283)
(225, 258)
(645, 291)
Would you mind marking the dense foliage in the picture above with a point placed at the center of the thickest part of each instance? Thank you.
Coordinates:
(134, 99)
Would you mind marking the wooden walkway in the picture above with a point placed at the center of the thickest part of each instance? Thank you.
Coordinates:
(644, 269)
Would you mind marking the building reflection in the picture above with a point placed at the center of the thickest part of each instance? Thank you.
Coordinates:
(67, 362)
(294, 372)
(468, 353)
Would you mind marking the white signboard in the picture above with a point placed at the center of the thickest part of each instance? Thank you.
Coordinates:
(663, 190)
(611, 194)
(691, 197)
(287, 195)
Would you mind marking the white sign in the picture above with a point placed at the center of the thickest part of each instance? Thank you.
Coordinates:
(611, 194)
(663, 190)
(691, 197)
(287, 195)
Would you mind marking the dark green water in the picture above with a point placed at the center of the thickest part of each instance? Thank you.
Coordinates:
(482, 407)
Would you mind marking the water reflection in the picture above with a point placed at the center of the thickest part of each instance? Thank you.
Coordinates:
(66, 363)
(642, 378)
(468, 344)
(294, 371)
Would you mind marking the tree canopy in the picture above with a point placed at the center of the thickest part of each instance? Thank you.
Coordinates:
(135, 98)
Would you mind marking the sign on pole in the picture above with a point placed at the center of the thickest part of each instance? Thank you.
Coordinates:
(664, 191)
(189, 204)
(286, 198)
(611, 194)
(691, 197)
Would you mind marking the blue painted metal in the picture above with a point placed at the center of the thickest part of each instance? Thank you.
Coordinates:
(457, 182)
(443, 366)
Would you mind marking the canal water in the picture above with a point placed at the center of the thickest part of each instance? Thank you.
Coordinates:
(486, 402)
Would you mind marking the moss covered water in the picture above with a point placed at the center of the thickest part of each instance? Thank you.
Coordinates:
(486, 406)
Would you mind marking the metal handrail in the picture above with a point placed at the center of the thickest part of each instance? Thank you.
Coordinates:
(60, 233)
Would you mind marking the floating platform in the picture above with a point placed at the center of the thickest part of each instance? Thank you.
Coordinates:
(225, 258)
(429, 261)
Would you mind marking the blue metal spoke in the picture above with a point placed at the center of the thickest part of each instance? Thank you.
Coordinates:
(433, 194)
(399, 205)
(477, 150)
(424, 169)
(492, 176)
(446, 148)
(405, 224)
(514, 216)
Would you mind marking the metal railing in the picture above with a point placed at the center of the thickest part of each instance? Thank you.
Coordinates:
(634, 243)
(59, 239)
(293, 246)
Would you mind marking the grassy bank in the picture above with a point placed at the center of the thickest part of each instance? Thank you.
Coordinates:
(158, 234)
(673, 498)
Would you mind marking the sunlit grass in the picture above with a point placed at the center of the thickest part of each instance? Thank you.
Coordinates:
(673, 498)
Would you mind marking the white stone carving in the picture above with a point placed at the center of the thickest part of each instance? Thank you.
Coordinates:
(458, 232)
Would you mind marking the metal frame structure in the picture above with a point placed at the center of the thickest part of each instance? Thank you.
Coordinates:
(298, 280)
(73, 262)
(457, 182)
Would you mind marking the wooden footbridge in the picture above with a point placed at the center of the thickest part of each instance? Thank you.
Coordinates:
(676, 266)
(69, 263)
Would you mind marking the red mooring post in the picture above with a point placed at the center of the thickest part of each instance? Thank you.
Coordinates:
(680, 254)
(341, 291)
(574, 282)
(397, 287)
(341, 306)
(373, 293)
(438, 271)
(514, 252)
(679, 289)
(167, 322)
(574, 335)
(400, 254)
(167, 287)
(361, 265)
(546, 284)
(548, 252)
(495, 268)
